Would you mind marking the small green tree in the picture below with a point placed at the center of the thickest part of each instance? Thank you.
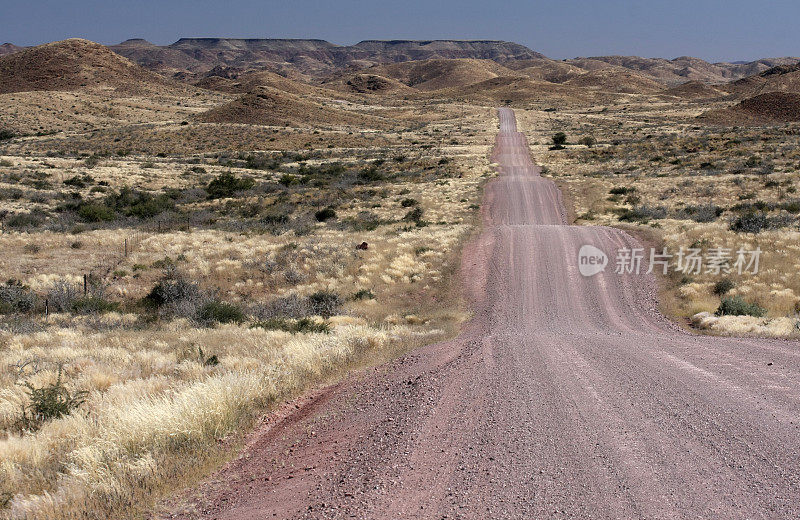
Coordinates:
(560, 139)
(50, 401)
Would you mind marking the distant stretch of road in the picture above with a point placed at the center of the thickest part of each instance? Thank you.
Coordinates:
(565, 397)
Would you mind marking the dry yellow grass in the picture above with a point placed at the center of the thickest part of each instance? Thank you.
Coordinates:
(155, 413)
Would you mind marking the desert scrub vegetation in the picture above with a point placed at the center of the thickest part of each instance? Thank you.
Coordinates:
(696, 187)
(253, 274)
(140, 407)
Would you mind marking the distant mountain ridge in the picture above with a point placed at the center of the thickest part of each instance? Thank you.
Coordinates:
(191, 59)
(309, 56)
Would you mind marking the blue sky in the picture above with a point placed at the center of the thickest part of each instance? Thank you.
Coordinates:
(714, 30)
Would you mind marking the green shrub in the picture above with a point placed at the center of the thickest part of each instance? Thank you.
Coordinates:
(226, 185)
(364, 294)
(6, 134)
(560, 139)
(288, 179)
(173, 291)
(325, 214)
(702, 213)
(93, 212)
(371, 174)
(415, 215)
(724, 286)
(736, 306)
(621, 190)
(48, 402)
(302, 325)
(407, 203)
(93, 305)
(642, 213)
(756, 221)
(324, 303)
(76, 181)
(25, 220)
(16, 297)
(220, 312)
(207, 361)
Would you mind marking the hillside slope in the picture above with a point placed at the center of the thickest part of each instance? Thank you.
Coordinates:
(75, 64)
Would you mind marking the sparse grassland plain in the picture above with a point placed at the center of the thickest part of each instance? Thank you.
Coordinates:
(692, 186)
(260, 261)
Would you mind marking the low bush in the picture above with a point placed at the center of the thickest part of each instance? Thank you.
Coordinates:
(226, 185)
(93, 305)
(175, 295)
(621, 190)
(325, 214)
(140, 204)
(415, 215)
(723, 287)
(702, 213)
(643, 214)
(94, 212)
(62, 294)
(16, 298)
(364, 294)
(220, 312)
(302, 325)
(365, 221)
(736, 306)
(324, 303)
(371, 174)
(25, 220)
(751, 222)
(48, 402)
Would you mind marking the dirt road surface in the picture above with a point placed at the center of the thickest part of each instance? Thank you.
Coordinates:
(565, 397)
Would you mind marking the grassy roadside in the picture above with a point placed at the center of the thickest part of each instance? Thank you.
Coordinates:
(264, 296)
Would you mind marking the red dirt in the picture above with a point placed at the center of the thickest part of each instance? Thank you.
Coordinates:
(565, 397)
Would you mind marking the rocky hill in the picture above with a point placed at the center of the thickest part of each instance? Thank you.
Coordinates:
(680, 70)
(74, 64)
(9, 48)
(769, 108)
(782, 78)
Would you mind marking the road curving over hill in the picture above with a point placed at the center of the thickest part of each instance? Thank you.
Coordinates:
(564, 397)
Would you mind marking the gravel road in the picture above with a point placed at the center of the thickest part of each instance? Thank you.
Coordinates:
(565, 397)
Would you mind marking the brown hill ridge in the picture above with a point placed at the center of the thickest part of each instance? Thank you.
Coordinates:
(270, 106)
(695, 90)
(685, 68)
(616, 80)
(769, 108)
(784, 78)
(367, 83)
(75, 64)
(429, 75)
